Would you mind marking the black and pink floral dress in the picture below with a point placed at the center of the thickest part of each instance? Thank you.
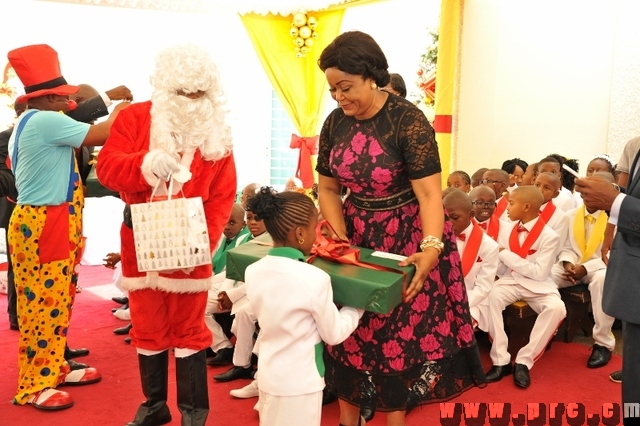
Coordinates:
(423, 351)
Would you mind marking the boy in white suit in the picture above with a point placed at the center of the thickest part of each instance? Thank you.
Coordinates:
(479, 255)
(528, 252)
(553, 216)
(580, 261)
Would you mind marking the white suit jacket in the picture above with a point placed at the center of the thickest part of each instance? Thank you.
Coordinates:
(534, 271)
(293, 302)
(565, 200)
(571, 251)
(482, 274)
(559, 223)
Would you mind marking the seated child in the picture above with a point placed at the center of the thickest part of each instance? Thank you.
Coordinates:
(563, 200)
(516, 168)
(498, 180)
(478, 252)
(530, 174)
(459, 179)
(233, 298)
(554, 218)
(294, 319)
(248, 192)
(235, 233)
(580, 262)
(483, 200)
(528, 252)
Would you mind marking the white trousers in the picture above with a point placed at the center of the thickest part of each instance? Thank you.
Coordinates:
(480, 313)
(290, 410)
(595, 281)
(220, 340)
(244, 327)
(549, 307)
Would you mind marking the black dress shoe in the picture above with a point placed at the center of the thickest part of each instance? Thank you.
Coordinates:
(125, 306)
(367, 413)
(75, 353)
(223, 357)
(75, 365)
(123, 330)
(600, 356)
(120, 299)
(521, 375)
(234, 373)
(497, 372)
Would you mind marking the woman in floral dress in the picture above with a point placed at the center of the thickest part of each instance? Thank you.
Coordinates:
(382, 149)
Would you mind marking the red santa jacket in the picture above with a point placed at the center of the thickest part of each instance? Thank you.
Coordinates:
(120, 168)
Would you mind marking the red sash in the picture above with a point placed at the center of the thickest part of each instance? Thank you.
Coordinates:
(493, 229)
(471, 249)
(547, 212)
(514, 243)
(500, 207)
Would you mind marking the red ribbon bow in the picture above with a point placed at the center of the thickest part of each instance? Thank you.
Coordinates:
(462, 237)
(522, 229)
(483, 225)
(308, 146)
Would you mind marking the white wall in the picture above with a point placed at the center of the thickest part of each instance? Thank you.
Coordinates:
(537, 79)
(109, 46)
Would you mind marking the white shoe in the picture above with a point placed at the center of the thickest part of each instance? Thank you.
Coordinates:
(123, 314)
(249, 391)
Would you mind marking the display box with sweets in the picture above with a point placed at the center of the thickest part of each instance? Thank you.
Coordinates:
(361, 287)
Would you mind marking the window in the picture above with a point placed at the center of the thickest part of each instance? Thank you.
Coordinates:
(284, 160)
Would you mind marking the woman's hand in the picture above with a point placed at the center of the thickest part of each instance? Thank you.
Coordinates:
(424, 262)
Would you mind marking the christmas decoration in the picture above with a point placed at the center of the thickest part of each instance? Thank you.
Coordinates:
(303, 33)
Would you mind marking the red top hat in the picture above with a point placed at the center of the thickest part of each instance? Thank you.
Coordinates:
(38, 68)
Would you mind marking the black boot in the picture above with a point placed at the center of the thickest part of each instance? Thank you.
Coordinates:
(154, 374)
(193, 394)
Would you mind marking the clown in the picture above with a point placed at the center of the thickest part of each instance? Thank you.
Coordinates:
(181, 133)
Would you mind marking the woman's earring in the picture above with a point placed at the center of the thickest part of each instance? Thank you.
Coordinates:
(374, 86)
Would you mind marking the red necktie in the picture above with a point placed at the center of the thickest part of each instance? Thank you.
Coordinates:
(483, 225)
(462, 237)
(522, 229)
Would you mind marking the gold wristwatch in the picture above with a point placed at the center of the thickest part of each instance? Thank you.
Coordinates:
(431, 242)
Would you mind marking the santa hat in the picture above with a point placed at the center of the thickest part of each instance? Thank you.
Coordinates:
(38, 68)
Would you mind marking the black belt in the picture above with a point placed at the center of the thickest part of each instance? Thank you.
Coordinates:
(386, 203)
(126, 216)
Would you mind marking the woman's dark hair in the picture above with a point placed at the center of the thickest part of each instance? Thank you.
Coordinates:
(356, 53)
(281, 211)
(397, 84)
(509, 166)
(464, 175)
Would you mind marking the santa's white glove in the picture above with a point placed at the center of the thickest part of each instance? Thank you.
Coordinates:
(163, 165)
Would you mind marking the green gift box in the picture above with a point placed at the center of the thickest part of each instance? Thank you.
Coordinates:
(357, 286)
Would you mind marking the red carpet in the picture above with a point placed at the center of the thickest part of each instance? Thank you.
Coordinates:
(560, 376)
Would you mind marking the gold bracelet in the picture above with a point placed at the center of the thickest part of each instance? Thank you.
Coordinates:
(431, 242)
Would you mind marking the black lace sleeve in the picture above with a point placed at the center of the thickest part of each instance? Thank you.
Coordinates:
(418, 144)
(324, 147)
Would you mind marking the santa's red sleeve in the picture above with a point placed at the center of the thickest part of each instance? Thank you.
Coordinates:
(220, 199)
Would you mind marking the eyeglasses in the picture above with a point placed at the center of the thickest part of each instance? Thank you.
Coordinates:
(491, 181)
(483, 204)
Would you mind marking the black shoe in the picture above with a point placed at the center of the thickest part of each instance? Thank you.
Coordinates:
(121, 299)
(497, 372)
(125, 306)
(223, 357)
(123, 330)
(234, 373)
(600, 356)
(367, 413)
(521, 375)
(127, 340)
(75, 353)
(74, 365)
(616, 376)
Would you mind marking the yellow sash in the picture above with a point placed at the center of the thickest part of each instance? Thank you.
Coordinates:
(597, 235)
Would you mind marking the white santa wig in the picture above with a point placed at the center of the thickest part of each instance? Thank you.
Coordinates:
(180, 124)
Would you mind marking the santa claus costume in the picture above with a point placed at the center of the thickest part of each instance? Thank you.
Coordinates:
(180, 132)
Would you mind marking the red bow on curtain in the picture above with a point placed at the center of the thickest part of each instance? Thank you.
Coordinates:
(308, 147)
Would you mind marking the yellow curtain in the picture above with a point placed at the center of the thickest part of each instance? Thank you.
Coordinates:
(448, 42)
(298, 82)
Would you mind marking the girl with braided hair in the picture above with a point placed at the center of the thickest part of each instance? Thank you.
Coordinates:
(293, 302)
